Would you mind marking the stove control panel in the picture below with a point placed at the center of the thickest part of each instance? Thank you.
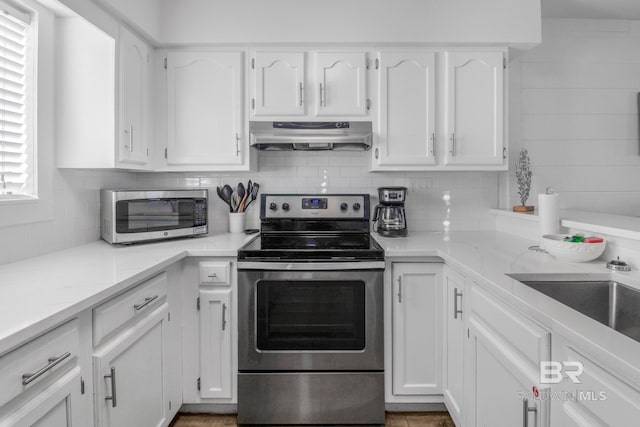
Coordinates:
(299, 206)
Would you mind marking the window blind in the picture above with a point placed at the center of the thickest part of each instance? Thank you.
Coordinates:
(14, 138)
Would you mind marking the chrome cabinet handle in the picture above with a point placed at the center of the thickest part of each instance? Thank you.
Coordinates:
(301, 94)
(456, 310)
(213, 276)
(525, 412)
(377, 152)
(452, 139)
(431, 145)
(147, 301)
(131, 138)
(237, 144)
(322, 99)
(53, 362)
(224, 316)
(400, 289)
(112, 398)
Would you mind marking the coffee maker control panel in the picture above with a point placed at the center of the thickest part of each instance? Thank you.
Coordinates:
(393, 195)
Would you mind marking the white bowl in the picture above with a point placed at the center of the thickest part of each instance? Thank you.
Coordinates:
(571, 251)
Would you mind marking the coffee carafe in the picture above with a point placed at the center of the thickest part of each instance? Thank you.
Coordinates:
(389, 217)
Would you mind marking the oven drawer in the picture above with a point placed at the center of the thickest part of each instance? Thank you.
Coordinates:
(311, 398)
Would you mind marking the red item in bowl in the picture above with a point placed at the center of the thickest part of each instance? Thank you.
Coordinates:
(593, 240)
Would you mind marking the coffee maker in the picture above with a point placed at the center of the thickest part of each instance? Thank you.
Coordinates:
(389, 216)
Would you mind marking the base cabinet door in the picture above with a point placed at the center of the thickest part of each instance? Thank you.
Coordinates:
(453, 350)
(58, 405)
(502, 365)
(129, 375)
(416, 328)
(216, 369)
(475, 110)
(205, 115)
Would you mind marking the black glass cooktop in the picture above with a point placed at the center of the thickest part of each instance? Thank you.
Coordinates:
(312, 247)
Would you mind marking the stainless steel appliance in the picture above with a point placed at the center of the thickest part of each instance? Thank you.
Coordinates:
(389, 217)
(310, 310)
(338, 136)
(130, 216)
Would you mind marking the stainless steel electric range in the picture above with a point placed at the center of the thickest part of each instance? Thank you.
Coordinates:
(310, 314)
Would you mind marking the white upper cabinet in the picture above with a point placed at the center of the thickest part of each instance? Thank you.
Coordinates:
(475, 108)
(341, 84)
(332, 87)
(278, 84)
(134, 99)
(406, 117)
(103, 105)
(205, 111)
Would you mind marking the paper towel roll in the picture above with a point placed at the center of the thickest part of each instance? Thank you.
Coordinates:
(549, 213)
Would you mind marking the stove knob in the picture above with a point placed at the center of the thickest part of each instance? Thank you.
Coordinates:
(285, 206)
(356, 206)
(273, 206)
(344, 206)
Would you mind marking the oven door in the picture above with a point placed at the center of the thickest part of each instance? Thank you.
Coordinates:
(304, 317)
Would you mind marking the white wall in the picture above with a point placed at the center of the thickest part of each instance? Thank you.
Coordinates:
(76, 216)
(471, 194)
(353, 21)
(142, 15)
(576, 98)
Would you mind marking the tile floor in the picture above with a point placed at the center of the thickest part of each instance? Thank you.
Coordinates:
(399, 419)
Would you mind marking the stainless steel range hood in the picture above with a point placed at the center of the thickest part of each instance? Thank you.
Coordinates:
(289, 136)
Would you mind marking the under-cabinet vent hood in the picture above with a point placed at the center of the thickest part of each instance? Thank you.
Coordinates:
(288, 136)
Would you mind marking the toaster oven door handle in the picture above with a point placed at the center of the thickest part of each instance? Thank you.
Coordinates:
(311, 266)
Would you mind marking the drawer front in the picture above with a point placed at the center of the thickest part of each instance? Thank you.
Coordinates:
(115, 313)
(38, 360)
(215, 273)
(522, 333)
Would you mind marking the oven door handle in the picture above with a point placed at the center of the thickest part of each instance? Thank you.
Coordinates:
(311, 266)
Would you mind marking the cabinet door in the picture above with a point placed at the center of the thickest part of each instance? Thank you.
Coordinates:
(134, 107)
(129, 375)
(475, 110)
(278, 84)
(453, 294)
(341, 84)
(216, 370)
(406, 94)
(58, 405)
(205, 108)
(416, 328)
(501, 382)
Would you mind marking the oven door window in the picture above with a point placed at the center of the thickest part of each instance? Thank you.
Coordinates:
(310, 315)
(135, 216)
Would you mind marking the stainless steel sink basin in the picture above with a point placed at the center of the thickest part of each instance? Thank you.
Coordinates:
(607, 301)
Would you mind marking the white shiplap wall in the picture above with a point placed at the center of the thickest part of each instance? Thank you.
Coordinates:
(576, 111)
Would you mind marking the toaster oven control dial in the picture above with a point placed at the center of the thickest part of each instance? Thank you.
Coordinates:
(356, 206)
(344, 207)
(273, 206)
(285, 206)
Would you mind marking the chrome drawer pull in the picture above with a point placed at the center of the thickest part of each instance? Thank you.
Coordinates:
(224, 316)
(53, 362)
(525, 412)
(212, 276)
(147, 301)
(112, 398)
(456, 310)
(400, 289)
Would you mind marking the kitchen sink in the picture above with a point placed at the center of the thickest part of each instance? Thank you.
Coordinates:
(607, 301)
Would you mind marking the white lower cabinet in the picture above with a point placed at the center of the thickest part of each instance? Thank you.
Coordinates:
(416, 329)
(503, 355)
(603, 397)
(453, 343)
(129, 375)
(216, 370)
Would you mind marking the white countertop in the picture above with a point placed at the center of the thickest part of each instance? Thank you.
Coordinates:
(40, 292)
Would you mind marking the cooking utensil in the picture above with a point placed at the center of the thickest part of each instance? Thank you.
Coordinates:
(222, 194)
(241, 190)
(234, 202)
